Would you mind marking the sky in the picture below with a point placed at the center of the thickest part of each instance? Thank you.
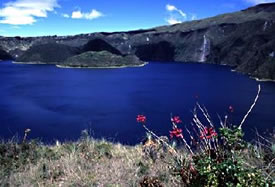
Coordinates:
(69, 17)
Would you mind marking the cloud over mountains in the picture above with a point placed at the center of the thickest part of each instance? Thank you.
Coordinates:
(176, 15)
(24, 12)
(89, 15)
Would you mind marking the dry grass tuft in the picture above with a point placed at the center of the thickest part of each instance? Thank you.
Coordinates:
(88, 162)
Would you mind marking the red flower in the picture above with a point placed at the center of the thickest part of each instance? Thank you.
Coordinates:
(208, 133)
(141, 118)
(231, 109)
(176, 132)
(176, 119)
(193, 170)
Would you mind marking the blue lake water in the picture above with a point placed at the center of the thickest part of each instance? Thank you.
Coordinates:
(57, 104)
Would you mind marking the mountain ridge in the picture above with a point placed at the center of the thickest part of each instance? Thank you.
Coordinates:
(243, 40)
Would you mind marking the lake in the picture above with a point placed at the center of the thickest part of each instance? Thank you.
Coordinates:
(57, 104)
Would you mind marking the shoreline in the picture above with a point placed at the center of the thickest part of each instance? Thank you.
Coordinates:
(125, 66)
(262, 80)
(31, 63)
(66, 66)
(103, 67)
(254, 78)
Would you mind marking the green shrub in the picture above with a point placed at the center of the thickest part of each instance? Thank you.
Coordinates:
(217, 158)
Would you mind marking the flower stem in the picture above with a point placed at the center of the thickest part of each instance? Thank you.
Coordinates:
(156, 136)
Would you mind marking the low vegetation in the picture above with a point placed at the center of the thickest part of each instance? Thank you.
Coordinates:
(87, 162)
(207, 157)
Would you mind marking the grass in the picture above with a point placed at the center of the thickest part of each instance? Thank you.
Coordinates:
(87, 162)
(90, 162)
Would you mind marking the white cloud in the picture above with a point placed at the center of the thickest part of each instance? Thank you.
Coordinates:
(173, 21)
(259, 1)
(172, 8)
(65, 15)
(77, 15)
(193, 17)
(175, 15)
(82, 15)
(23, 12)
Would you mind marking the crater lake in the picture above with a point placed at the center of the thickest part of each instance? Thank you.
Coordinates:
(58, 103)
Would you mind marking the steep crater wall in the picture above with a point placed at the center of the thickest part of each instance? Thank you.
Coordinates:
(161, 51)
(48, 53)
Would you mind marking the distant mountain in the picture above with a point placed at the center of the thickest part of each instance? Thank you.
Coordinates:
(243, 40)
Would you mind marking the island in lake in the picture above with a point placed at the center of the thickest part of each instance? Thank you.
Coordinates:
(102, 59)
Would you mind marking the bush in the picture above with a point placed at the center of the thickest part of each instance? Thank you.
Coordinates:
(217, 158)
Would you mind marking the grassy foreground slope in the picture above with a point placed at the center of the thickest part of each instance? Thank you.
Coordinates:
(87, 162)
(90, 162)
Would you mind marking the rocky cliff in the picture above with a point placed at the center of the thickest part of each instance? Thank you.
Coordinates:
(48, 53)
(4, 55)
(243, 40)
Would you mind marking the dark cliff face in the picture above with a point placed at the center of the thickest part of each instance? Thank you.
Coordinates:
(4, 55)
(243, 40)
(161, 51)
(100, 45)
(249, 48)
(48, 53)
